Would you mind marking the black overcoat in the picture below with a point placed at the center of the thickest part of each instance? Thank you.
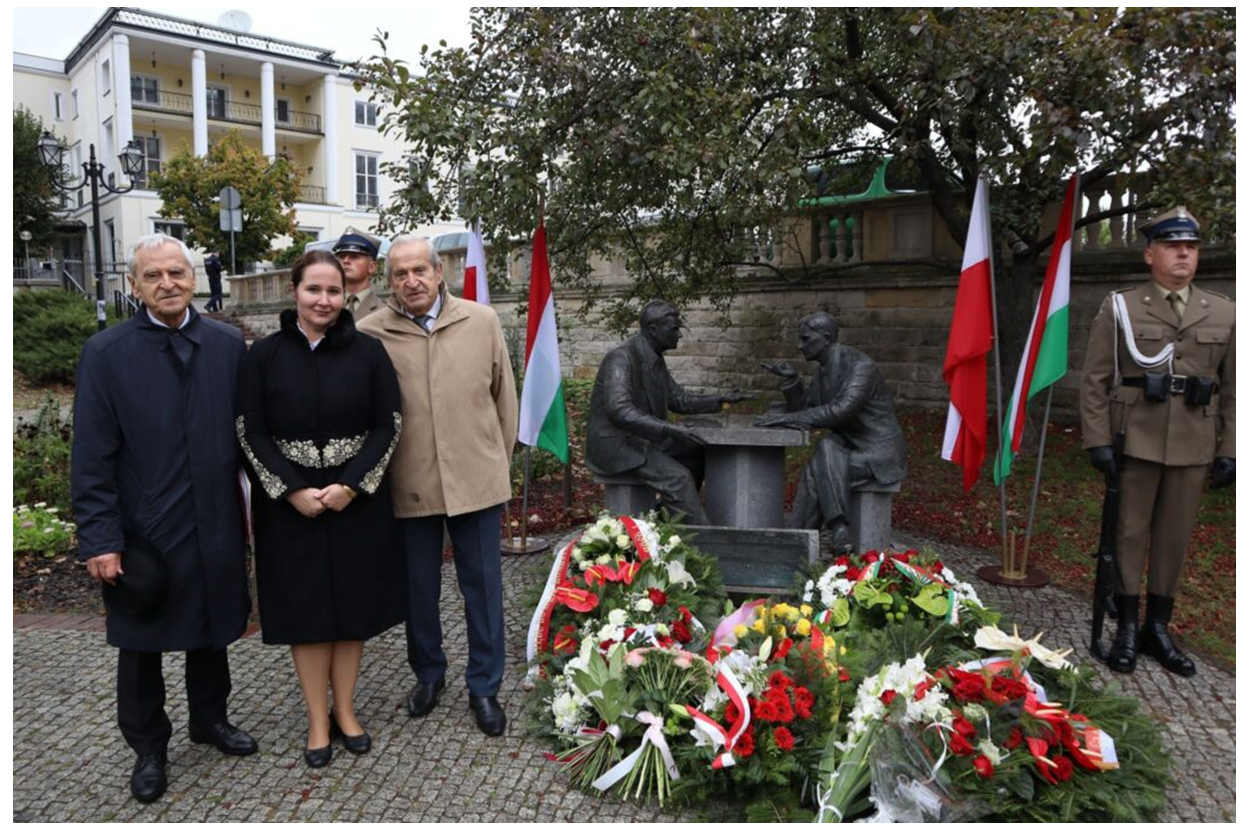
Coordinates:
(154, 453)
(312, 418)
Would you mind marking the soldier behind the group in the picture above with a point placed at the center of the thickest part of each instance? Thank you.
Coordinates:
(358, 254)
(1160, 372)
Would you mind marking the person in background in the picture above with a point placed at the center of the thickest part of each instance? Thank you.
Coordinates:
(358, 252)
(213, 268)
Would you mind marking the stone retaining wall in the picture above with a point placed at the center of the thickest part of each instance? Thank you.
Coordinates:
(899, 314)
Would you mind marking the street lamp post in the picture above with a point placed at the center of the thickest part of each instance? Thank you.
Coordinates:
(51, 153)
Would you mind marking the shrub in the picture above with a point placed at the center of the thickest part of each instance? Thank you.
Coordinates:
(41, 459)
(49, 329)
(39, 529)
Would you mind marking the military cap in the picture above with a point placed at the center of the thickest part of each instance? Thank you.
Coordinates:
(353, 240)
(1175, 225)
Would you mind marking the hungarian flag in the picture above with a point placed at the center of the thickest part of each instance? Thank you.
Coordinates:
(1045, 358)
(971, 337)
(475, 286)
(542, 396)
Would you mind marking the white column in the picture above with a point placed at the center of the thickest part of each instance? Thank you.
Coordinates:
(330, 145)
(121, 88)
(199, 103)
(268, 144)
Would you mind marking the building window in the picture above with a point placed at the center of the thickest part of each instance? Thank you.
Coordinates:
(73, 103)
(151, 146)
(366, 182)
(217, 102)
(177, 230)
(282, 109)
(144, 89)
(366, 114)
(106, 79)
(58, 107)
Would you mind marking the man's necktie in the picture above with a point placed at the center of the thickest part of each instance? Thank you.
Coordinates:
(427, 322)
(1174, 300)
(352, 302)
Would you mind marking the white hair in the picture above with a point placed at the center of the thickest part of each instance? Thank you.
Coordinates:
(150, 242)
(436, 262)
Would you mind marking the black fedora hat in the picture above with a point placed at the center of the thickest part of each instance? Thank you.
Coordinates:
(143, 583)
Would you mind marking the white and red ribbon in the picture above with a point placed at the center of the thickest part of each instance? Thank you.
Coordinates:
(653, 736)
(721, 737)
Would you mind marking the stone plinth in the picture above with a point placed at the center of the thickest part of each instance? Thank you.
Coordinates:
(757, 561)
(744, 481)
(623, 496)
(870, 521)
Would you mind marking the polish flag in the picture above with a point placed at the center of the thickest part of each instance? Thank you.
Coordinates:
(475, 286)
(971, 337)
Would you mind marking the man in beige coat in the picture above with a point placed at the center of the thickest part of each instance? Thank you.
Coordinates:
(451, 467)
(1161, 372)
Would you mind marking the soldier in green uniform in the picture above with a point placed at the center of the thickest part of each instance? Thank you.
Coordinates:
(1160, 371)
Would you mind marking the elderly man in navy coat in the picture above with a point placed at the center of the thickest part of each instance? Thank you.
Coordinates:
(154, 477)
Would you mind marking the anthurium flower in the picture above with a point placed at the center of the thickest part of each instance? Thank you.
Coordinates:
(995, 640)
(579, 600)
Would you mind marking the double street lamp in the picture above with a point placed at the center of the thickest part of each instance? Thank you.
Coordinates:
(52, 154)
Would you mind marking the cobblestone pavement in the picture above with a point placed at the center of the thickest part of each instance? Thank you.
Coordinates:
(70, 763)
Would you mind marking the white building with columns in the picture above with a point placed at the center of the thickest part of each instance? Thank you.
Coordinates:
(178, 85)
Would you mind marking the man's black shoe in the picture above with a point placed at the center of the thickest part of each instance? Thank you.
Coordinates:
(1123, 654)
(488, 713)
(424, 696)
(1157, 642)
(147, 780)
(225, 737)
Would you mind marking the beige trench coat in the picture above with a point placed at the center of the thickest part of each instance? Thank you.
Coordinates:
(459, 408)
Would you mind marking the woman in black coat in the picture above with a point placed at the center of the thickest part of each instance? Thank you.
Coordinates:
(318, 418)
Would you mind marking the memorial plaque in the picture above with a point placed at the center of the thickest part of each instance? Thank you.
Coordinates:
(757, 560)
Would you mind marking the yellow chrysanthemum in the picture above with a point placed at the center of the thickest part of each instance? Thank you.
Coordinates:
(806, 610)
(803, 627)
(758, 626)
(780, 630)
(740, 631)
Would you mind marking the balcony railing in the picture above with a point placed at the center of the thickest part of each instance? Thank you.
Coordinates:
(179, 103)
(312, 194)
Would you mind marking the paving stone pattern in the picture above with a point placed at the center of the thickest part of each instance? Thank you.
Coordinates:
(70, 763)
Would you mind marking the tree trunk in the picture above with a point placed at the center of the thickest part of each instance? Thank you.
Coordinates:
(1016, 295)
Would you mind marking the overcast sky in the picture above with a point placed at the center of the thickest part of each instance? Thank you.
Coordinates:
(346, 29)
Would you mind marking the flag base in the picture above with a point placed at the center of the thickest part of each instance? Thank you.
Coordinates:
(1032, 578)
(517, 545)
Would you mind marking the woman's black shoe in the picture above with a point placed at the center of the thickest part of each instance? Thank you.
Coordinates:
(354, 744)
(318, 757)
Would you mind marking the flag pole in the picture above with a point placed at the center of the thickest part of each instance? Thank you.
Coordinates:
(998, 383)
(525, 497)
(1037, 482)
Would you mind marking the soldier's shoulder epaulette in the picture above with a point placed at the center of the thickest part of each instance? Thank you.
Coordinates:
(1221, 296)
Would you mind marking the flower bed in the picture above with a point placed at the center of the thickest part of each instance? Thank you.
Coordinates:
(885, 688)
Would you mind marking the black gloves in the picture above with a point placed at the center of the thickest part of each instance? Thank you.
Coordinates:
(1103, 460)
(1223, 472)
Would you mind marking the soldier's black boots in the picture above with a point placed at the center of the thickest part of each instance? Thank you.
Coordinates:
(1157, 643)
(1123, 654)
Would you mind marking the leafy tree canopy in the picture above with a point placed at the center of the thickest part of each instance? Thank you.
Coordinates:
(35, 198)
(190, 184)
(668, 137)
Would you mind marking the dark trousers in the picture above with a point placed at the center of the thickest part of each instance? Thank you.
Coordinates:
(475, 542)
(141, 695)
